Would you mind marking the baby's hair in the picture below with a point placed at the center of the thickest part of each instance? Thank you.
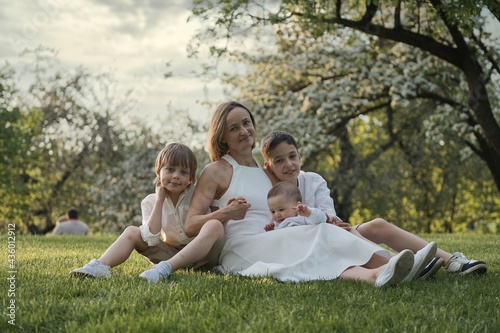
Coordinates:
(285, 188)
(272, 140)
(176, 154)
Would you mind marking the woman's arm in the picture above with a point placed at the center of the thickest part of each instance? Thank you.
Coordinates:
(272, 177)
(212, 184)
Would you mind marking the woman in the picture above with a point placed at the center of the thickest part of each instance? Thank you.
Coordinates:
(293, 254)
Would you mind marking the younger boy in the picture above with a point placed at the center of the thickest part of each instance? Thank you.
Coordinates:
(161, 237)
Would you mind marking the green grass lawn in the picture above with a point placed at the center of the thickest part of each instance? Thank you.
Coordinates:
(48, 300)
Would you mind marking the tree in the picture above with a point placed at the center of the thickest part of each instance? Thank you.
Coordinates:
(19, 152)
(118, 191)
(65, 142)
(436, 29)
(60, 129)
(353, 102)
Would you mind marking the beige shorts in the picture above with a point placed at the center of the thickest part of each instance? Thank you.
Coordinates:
(163, 251)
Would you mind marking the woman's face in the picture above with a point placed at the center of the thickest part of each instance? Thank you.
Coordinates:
(284, 162)
(239, 133)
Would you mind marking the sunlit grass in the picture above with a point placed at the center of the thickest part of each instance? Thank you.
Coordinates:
(48, 300)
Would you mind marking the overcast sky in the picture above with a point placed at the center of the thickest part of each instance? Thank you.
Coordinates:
(132, 39)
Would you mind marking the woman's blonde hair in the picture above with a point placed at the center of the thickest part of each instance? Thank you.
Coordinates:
(217, 148)
(176, 154)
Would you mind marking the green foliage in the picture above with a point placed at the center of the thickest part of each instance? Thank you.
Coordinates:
(21, 153)
(65, 143)
(381, 103)
(48, 300)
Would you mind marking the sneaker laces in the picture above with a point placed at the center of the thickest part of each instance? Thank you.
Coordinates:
(98, 265)
(93, 263)
(162, 268)
(460, 258)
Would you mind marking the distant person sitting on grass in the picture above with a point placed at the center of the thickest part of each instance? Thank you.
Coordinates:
(284, 201)
(161, 236)
(60, 219)
(71, 225)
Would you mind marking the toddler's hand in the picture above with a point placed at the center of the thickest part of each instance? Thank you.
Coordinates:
(269, 226)
(302, 210)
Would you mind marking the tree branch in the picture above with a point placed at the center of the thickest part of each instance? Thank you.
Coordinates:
(425, 43)
(397, 16)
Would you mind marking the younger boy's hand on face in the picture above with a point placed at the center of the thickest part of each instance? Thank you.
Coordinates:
(161, 192)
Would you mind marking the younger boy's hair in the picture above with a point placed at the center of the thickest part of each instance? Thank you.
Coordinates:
(285, 188)
(272, 140)
(176, 154)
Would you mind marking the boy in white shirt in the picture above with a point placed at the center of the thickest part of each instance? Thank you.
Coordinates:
(281, 156)
(161, 237)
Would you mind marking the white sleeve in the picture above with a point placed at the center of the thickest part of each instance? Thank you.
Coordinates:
(146, 209)
(148, 237)
(324, 201)
(316, 217)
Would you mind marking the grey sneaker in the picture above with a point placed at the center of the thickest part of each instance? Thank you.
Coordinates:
(422, 259)
(461, 265)
(396, 269)
(94, 269)
(432, 268)
(157, 272)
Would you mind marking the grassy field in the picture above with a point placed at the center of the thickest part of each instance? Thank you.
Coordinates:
(47, 300)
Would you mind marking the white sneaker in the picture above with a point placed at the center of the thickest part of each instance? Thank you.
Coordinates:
(396, 269)
(422, 259)
(157, 272)
(93, 269)
(432, 268)
(461, 265)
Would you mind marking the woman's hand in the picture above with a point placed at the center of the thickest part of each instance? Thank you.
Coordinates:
(236, 208)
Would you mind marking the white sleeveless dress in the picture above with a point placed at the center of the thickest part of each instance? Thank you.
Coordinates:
(301, 253)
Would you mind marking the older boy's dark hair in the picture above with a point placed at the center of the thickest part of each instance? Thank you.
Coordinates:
(285, 188)
(272, 140)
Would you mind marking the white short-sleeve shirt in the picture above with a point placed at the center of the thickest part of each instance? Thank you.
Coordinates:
(172, 219)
